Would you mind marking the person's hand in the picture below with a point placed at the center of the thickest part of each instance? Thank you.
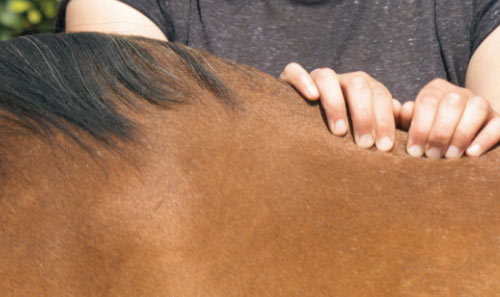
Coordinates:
(449, 121)
(373, 111)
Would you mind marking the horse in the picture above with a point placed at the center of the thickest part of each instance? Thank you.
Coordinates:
(134, 167)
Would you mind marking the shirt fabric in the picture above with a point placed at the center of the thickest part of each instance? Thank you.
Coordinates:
(401, 43)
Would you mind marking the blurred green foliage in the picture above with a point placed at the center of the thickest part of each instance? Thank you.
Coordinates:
(21, 17)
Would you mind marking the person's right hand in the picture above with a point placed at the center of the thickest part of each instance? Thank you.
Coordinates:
(373, 111)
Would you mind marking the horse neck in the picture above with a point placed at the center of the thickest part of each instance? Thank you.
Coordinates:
(264, 191)
(261, 191)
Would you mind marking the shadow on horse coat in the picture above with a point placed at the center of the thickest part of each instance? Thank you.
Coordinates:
(131, 167)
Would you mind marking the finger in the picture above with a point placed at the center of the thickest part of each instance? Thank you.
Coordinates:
(332, 99)
(473, 118)
(300, 79)
(424, 113)
(406, 114)
(486, 139)
(385, 125)
(359, 97)
(448, 115)
(396, 108)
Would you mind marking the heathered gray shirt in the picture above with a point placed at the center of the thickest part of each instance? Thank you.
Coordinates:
(402, 43)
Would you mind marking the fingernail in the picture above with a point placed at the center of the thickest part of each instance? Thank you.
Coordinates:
(340, 128)
(415, 151)
(366, 141)
(474, 150)
(384, 144)
(312, 91)
(452, 153)
(433, 153)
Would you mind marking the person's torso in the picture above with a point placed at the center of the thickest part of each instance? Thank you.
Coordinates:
(402, 43)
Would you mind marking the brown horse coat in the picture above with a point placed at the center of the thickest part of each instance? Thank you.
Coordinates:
(253, 198)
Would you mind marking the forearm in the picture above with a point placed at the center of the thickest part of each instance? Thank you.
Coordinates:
(109, 16)
(483, 73)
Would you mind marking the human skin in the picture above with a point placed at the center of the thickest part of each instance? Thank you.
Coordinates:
(109, 16)
(445, 120)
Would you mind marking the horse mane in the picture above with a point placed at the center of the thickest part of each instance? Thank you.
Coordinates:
(52, 80)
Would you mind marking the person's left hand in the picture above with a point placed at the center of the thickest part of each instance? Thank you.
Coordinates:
(447, 120)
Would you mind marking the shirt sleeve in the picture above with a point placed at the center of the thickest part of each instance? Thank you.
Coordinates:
(60, 21)
(486, 19)
(155, 12)
(150, 8)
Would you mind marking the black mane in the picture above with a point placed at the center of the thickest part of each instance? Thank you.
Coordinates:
(52, 80)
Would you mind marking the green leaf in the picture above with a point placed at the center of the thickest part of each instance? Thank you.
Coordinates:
(11, 20)
(49, 8)
(34, 16)
(19, 6)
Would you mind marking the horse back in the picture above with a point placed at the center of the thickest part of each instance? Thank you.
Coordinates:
(254, 199)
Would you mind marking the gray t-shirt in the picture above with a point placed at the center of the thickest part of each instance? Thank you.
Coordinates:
(402, 43)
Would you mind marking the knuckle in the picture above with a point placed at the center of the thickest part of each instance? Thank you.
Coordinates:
(358, 80)
(439, 136)
(381, 92)
(333, 106)
(480, 104)
(304, 77)
(455, 99)
(361, 73)
(429, 97)
(324, 73)
(361, 76)
(292, 67)
(438, 82)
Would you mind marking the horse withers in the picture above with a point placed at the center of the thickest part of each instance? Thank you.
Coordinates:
(132, 167)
